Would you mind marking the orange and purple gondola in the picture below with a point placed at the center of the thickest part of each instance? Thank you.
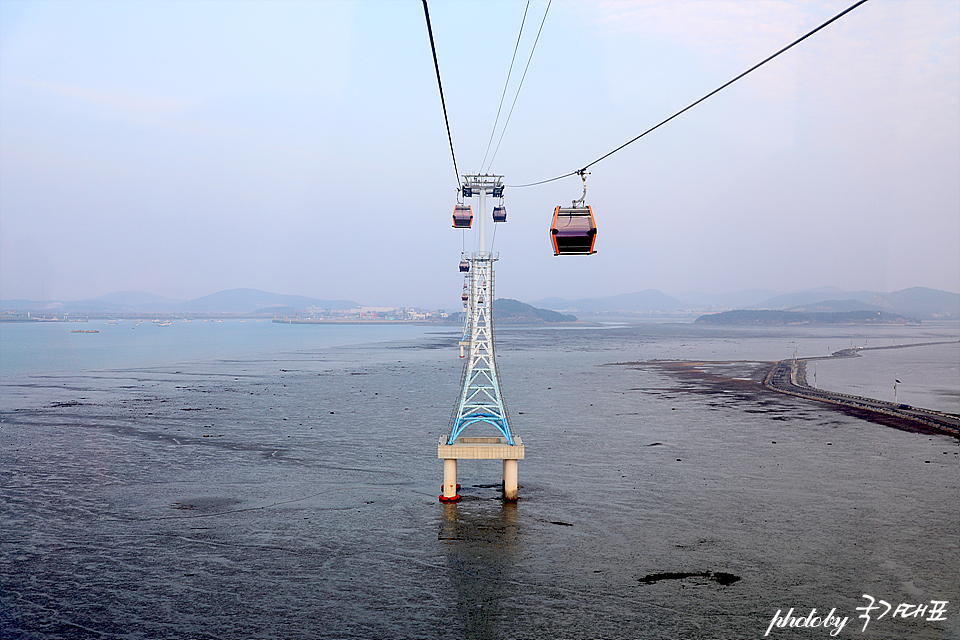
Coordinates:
(462, 216)
(574, 231)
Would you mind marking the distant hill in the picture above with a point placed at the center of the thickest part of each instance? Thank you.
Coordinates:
(230, 302)
(916, 302)
(19, 304)
(507, 311)
(925, 302)
(648, 300)
(769, 317)
(835, 306)
(136, 299)
(919, 302)
(250, 301)
(736, 299)
(121, 302)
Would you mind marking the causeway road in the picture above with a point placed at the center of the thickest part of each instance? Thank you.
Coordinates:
(789, 376)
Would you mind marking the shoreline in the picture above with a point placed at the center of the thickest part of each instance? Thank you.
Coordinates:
(790, 377)
(500, 323)
(753, 378)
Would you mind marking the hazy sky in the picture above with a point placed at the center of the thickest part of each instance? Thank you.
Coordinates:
(182, 148)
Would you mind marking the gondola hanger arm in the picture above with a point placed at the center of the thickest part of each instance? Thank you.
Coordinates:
(583, 176)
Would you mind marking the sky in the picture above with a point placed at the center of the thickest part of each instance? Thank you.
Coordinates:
(183, 148)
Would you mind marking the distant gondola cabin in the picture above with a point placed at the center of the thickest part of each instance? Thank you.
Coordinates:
(574, 231)
(499, 214)
(462, 216)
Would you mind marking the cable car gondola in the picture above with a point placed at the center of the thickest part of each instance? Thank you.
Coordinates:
(574, 230)
(500, 214)
(462, 216)
(464, 266)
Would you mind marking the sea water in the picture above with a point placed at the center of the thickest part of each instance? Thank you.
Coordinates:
(924, 375)
(39, 347)
(284, 485)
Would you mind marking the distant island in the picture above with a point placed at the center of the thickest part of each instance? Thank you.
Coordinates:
(914, 303)
(779, 318)
(507, 311)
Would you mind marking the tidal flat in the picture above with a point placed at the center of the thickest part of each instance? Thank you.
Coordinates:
(293, 493)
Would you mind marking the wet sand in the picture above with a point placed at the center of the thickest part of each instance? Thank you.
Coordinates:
(295, 496)
(747, 380)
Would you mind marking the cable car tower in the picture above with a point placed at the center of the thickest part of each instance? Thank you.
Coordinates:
(480, 424)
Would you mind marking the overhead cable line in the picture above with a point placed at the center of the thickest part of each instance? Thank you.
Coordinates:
(521, 82)
(440, 84)
(506, 84)
(717, 90)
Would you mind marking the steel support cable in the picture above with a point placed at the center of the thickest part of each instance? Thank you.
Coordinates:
(505, 85)
(507, 122)
(436, 65)
(715, 91)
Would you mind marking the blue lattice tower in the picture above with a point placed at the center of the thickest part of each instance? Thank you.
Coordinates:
(480, 423)
(481, 402)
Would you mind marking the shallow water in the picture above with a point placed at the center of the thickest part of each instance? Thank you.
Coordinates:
(929, 375)
(294, 494)
(42, 347)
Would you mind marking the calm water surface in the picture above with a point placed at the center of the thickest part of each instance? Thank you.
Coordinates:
(40, 347)
(283, 484)
(929, 375)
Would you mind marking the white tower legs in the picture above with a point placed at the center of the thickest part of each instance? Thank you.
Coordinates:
(450, 485)
(510, 479)
(491, 448)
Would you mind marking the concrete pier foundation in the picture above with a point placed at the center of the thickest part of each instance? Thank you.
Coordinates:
(449, 480)
(510, 479)
(494, 448)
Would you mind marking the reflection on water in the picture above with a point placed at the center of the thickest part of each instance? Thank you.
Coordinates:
(480, 540)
